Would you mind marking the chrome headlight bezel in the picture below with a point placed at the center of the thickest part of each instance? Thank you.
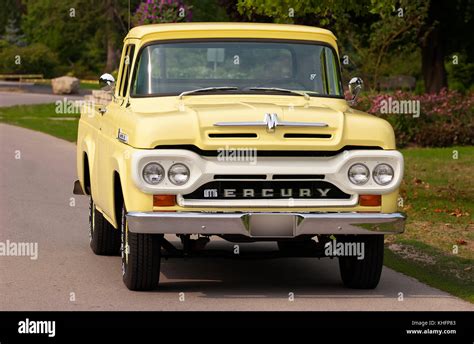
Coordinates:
(159, 171)
(172, 173)
(376, 177)
(351, 178)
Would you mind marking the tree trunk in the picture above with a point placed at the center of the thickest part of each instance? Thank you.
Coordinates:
(111, 63)
(432, 51)
(432, 63)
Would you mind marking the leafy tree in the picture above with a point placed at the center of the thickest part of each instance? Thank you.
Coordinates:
(294, 11)
(84, 33)
(12, 34)
(374, 30)
(208, 11)
(161, 11)
(11, 10)
(390, 33)
(446, 32)
(64, 27)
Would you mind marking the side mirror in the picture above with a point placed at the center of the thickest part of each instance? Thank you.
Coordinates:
(355, 86)
(107, 82)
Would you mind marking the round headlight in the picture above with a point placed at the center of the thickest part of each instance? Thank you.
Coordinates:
(383, 174)
(153, 173)
(178, 174)
(359, 174)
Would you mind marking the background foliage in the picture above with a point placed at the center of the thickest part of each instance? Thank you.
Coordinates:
(379, 40)
(445, 118)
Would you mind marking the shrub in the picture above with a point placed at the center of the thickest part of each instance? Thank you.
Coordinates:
(445, 119)
(32, 59)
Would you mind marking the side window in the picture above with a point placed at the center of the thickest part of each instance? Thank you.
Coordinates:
(331, 70)
(126, 69)
(330, 67)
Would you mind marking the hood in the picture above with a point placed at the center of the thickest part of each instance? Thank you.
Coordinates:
(155, 122)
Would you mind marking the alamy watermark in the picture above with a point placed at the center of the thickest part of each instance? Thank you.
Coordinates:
(235, 154)
(28, 326)
(344, 249)
(401, 107)
(71, 107)
(19, 249)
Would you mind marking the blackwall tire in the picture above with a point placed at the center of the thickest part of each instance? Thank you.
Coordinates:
(364, 273)
(141, 258)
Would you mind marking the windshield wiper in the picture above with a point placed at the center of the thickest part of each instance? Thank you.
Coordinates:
(277, 89)
(222, 88)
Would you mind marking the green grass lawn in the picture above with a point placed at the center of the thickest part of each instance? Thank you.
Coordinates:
(44, 118)
(86, 85)
(438, 195)
(89, 85)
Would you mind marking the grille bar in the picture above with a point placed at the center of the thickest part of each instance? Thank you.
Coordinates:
(240, 176)
(268, 189)
(306, 136)
(298, 176)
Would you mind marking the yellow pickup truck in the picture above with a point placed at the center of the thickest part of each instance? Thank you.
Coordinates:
(239, 131)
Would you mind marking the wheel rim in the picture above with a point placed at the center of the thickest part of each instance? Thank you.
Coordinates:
(124, 246)
(91, 218)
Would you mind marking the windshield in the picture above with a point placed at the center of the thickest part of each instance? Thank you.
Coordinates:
(173, 68)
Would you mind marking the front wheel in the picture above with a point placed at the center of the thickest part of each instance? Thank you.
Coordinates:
(141, 257)
(362, 273)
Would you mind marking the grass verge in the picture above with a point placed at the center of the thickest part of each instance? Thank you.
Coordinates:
(451, 274)
(437, 247)
(42, 117)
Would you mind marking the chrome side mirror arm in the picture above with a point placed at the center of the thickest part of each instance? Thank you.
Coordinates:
(355, 87)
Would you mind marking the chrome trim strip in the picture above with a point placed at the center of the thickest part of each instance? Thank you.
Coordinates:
(271, 122)
(222, 88)
(238, 223)
(240, 124)
(302, 124)
(279, 89)
(295, 202)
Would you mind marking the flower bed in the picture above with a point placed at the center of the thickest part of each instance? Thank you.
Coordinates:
(442, 119)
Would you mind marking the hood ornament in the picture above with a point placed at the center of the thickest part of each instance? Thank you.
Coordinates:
(271, 121)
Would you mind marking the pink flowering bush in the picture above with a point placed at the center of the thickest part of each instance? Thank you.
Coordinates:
(161, 11)
(444, 119)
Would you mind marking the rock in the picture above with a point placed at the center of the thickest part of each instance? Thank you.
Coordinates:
(65, 85)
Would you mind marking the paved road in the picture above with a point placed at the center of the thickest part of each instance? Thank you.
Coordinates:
(35, 206)
(20, 98)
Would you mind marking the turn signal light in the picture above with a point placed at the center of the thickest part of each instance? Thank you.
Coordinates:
(370, 200)
(164, 200)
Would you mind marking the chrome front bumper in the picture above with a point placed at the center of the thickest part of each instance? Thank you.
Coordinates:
(265, 225)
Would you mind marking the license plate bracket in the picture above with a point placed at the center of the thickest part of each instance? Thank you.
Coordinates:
(272, 225)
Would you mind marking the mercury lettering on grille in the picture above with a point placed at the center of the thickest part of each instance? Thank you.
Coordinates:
(267, 190)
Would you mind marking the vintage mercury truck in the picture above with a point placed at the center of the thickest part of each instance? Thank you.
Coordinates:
(240, 131)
